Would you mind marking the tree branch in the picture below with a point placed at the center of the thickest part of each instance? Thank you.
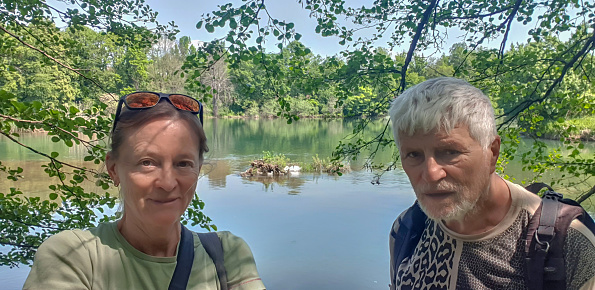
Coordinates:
(586, 195)
(47, 156)
(510, 18)
(56, 61)
(526, 104)
(51, 125)
(416, 37)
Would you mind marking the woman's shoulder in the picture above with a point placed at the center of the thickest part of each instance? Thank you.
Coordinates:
(239, 262)
(78, 236)
(226, 236)
(65, 259)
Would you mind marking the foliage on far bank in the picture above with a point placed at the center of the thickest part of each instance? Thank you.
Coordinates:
(578, 129)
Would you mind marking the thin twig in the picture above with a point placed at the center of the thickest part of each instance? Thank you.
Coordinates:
(53, 126)
(47, 156)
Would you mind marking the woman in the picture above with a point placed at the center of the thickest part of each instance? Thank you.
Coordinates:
(157, 148)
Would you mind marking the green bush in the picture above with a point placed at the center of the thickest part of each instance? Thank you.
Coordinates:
(275, 159)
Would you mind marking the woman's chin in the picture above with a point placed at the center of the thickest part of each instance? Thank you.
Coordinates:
(163, 219)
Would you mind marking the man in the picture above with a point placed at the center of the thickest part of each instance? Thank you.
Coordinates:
(473, 237)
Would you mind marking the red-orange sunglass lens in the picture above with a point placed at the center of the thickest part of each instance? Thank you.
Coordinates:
(184, 103)
(142, 100)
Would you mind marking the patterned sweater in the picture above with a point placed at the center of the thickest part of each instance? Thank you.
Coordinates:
(444, 259)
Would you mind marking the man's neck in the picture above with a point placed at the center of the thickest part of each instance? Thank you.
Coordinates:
(490, 212)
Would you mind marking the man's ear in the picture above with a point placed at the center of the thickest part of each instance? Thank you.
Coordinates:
(110, 163)
(494, 152)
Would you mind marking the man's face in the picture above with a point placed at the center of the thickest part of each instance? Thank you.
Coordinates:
(450, 173)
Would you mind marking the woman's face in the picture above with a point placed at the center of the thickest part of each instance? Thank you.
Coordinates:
(157, 168)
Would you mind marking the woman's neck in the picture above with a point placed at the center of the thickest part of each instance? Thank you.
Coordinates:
(153, 241)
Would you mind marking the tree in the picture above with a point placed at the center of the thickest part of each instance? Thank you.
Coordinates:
(43, 71)
(425, 25)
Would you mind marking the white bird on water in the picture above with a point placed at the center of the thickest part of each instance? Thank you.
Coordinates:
(292, 170)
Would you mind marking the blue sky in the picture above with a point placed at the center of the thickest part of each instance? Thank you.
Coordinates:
(187, 13)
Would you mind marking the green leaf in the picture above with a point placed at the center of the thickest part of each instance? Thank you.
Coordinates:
(199, 24)
(53, 196)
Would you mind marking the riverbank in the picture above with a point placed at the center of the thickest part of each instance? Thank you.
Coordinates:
(576, 129)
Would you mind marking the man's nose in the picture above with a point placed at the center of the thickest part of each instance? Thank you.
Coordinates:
(167, 179)
(433, 171)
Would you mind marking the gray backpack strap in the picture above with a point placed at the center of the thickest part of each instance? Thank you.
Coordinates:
(544, 247)
(212, 244)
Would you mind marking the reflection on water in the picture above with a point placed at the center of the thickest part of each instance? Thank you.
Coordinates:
(216, 172)
(35, 181)
(292, 182)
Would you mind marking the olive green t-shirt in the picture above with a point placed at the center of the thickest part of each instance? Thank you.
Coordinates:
(100, 258)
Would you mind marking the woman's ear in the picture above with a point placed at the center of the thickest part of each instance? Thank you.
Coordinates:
(110, 163)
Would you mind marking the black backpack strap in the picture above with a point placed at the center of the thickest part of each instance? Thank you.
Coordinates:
(212, 244)
(404, 236)
(544, 248)
(185, 258)
(537, 186)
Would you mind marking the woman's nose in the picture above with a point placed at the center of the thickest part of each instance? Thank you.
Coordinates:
(167, 179)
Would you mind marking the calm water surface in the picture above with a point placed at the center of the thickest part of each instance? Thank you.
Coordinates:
(306, 232)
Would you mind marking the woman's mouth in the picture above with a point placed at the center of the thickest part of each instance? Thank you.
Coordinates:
(164, 201)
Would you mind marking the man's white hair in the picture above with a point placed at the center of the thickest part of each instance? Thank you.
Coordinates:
(443, 104)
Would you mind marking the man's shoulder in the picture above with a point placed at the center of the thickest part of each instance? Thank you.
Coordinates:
(584, 231)
(579, 253)
(523, 198)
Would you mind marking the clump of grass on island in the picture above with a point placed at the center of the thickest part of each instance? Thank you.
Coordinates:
(326, 165)
(272, 164)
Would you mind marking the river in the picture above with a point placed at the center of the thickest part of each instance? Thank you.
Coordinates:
(312, 231)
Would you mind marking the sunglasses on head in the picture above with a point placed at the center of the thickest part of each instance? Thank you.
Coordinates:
(147, 100)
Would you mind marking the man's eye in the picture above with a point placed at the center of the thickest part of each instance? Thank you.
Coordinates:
(146, 163)
(184, 164)
(451, 152)
(412, 155)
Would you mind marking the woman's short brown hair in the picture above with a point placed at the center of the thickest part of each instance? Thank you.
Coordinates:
(132, 119)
